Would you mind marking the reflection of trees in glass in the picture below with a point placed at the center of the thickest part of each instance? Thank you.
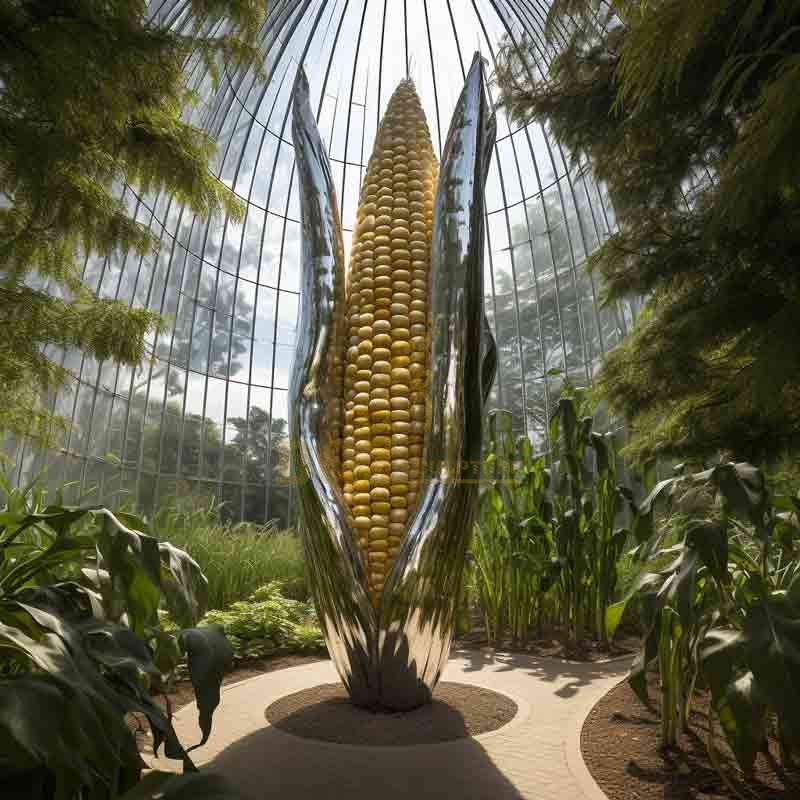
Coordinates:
(261, 446)
(548, 335)
(192, 459)
(206, 336)
(546, 320)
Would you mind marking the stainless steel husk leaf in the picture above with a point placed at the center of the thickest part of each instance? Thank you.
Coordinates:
(392, 657)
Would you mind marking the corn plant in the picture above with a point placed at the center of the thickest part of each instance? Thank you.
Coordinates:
(587, 505)
(512, 546)
(81, 645)
(726, 609)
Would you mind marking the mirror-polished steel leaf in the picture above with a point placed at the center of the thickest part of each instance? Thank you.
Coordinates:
(392, 656)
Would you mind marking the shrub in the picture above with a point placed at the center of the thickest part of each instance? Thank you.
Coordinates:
(268, 623)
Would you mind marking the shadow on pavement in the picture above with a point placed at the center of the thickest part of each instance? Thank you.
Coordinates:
(270, 763)
(567, 676)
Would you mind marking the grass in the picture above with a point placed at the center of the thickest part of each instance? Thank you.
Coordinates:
(236, 558)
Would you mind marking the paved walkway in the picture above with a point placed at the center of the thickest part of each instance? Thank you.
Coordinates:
(536, 756)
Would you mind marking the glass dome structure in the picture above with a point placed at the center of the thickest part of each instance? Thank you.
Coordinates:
(206, 414)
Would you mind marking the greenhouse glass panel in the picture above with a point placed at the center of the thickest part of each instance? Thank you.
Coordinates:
(207, 412)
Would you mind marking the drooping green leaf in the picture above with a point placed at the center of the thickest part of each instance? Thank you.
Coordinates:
(664, 488)
(40, 636)
(773, 635)
(119, 652)
(645, 583)
(721, 651)
(742, 485)
(134, 565)
(167, 653)
(710, 539)
(614, 614)
(678, 590)
(133, 522)
(184, 585)
(42, 725)
(741, 710)
(209, 656)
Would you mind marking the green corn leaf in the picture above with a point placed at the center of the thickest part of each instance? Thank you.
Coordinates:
(614, 614)
(678, 590)
(665, 488)
(601, 452)
(710, 540)
(132, 521)
(768, 649)
(742, 712)
(773, 634)
(167, 652)
(743, 487)
(646, 583)
(93, 703)
(525, 450)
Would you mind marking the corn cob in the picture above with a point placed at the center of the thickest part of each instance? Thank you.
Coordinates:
(387, 329)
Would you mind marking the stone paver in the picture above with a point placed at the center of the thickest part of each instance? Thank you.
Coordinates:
(536, 756)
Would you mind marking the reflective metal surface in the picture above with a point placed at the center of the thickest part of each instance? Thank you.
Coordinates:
(393, 658)
(334, 563)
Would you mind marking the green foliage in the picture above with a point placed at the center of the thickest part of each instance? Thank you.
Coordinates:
(547, 543)
(588, 504)
(256, 450)
(92, 99)
(690, 114)
(268, 623)
(81, 645)
(236, 559)
(727, 607)
(511, 566)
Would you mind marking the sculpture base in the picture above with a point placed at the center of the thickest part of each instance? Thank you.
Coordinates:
(326, 713)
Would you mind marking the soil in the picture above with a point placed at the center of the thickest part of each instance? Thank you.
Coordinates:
(551, 645)
(620, 742)
(326, 713)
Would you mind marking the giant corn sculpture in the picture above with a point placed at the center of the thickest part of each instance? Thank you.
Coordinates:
(391, 373)
(386, 364)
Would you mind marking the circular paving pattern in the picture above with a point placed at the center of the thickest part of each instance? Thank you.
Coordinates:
(534, 756)
(325, 713)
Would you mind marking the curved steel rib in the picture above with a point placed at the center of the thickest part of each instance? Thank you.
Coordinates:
(420, 601)
(394, 659)
(315, 396)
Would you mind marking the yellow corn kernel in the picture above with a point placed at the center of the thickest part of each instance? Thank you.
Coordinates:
(386, 342)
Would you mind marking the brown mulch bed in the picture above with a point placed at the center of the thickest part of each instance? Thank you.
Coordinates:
(620, 745)
(326, 713)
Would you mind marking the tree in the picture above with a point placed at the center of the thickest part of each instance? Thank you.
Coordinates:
(92, 98)
(690, 113)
